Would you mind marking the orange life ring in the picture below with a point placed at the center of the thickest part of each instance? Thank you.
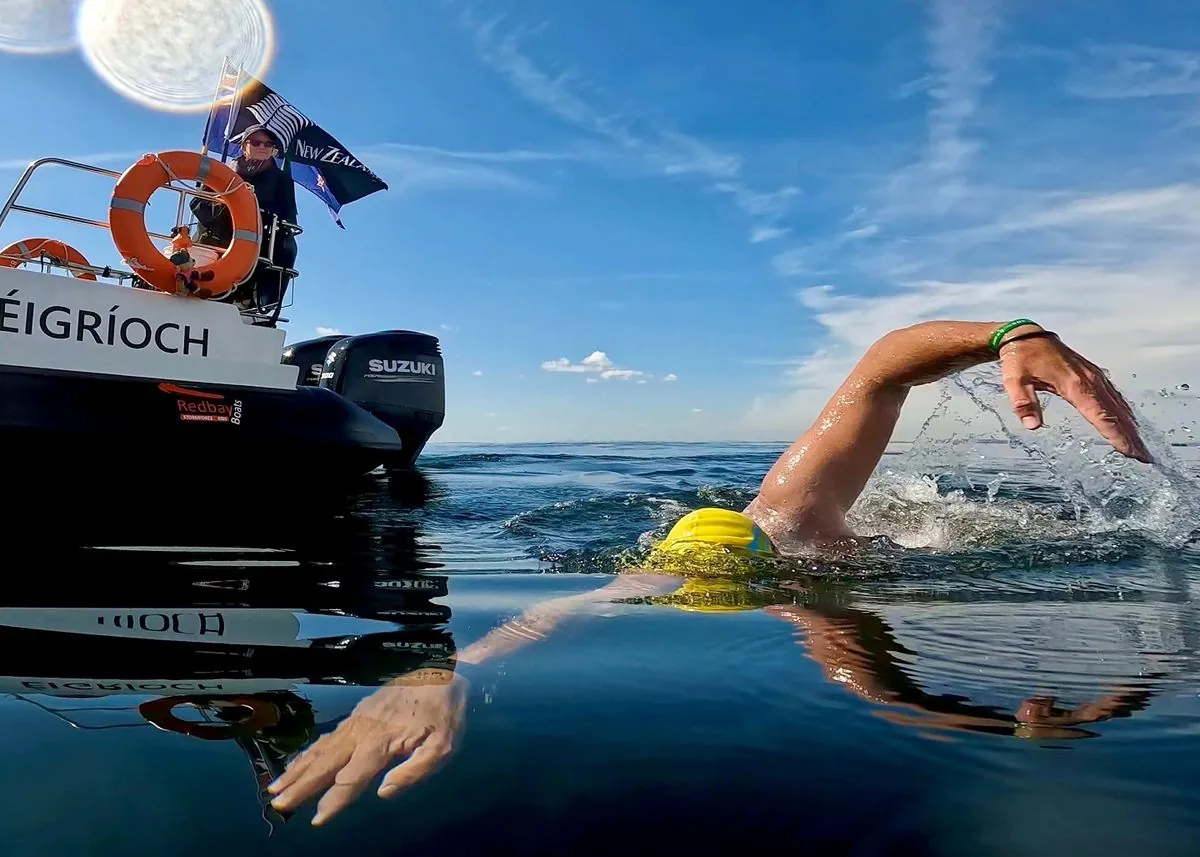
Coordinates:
(31, 249)
(161, 713)
(127, 222)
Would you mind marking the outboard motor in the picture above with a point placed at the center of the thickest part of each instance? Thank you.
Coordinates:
(310, 357)
(397, 376)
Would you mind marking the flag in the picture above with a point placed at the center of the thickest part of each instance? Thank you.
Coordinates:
(316, 161)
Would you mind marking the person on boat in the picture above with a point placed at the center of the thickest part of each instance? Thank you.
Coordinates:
(276, 194)
(801, 506)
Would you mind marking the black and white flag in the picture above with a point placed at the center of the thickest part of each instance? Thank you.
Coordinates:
(316, 161)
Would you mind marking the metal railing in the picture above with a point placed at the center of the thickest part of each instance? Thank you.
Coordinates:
(266, 261)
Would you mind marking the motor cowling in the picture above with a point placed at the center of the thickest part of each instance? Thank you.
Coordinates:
(398, 376)
(310, 357)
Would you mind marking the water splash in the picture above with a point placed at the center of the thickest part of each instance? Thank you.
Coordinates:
(1103, 491)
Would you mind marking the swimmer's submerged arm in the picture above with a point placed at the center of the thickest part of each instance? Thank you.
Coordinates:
(818, 478)
(536, 623)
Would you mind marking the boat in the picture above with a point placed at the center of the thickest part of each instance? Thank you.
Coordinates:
(148, 373)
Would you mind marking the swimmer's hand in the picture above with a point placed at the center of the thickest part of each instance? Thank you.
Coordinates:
(1045, 363)
(414, 716)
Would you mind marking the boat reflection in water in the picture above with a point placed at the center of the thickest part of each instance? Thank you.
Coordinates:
(224, 643)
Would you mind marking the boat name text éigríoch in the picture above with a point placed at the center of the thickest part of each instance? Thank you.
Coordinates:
(85, 325)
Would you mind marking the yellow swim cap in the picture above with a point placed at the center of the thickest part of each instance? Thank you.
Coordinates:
(709, 528)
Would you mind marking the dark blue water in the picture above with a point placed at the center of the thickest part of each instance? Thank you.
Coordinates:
(1016, 672)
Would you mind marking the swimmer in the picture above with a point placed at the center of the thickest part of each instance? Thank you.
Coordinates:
(802, 502)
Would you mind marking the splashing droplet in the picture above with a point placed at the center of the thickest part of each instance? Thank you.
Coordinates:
(1185, 387)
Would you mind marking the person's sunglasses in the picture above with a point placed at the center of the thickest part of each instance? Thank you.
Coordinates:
(261, 144)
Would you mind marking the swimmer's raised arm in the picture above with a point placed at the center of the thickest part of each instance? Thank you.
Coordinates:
(808, 491)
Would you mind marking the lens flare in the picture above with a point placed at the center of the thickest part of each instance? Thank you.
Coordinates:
(168, 55)
(37, 26)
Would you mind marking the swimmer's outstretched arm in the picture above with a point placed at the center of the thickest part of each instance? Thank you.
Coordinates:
(419, 715)
(808, 491)
(536, 623)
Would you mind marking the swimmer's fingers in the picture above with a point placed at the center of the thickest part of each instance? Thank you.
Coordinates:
(311, 772)
(1128, 420)
(1090, 393)
(370, 757)
(423, 761)
(301, 764)
(1023, 395)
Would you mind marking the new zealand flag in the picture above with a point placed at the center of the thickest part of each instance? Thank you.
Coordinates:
(316, 161)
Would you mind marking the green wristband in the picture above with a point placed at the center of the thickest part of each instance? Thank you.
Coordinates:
(1006, 329)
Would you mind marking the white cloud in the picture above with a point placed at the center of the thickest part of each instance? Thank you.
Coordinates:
(670, 376)
(697, 410)
(478, 373)
(328, 331)
(597, 363)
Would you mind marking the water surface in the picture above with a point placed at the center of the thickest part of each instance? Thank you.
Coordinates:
(1014, 671)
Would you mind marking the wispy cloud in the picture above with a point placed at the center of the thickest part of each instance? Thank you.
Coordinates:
(620, 279)
(1135, 71)
(664, 151)
(767, 233)
(328, 331)
(96, 158)
(1116, 274)
(415, 169)
(504, 156)
(960, 36)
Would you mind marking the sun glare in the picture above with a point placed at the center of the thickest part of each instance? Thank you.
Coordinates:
(168, 55)
(37, 26)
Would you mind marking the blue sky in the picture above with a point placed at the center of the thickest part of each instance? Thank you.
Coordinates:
(735, 197)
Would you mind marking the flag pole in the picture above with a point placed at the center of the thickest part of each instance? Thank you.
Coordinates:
(234, 106)
(212, 108)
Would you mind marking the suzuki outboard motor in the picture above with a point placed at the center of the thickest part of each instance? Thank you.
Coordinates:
(397, 376)
(310, 357)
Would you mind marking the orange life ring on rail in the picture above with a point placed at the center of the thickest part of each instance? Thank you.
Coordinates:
(127, 222)
(31, 249)
(161, 713)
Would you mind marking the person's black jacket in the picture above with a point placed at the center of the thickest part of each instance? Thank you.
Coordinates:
(276, 194)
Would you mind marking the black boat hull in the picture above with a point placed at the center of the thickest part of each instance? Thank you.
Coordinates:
(79, 428)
